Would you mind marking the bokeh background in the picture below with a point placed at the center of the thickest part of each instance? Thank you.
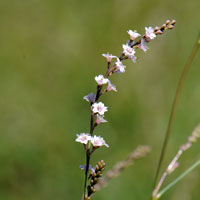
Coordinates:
(50, 52)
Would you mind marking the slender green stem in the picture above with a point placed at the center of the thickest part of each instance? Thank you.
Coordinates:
(173, 110)
(196, 164)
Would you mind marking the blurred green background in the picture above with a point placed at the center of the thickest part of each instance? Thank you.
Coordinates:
(50, 52)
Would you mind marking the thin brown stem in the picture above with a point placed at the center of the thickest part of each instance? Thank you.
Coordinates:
(173, 110)
(92, 127)
(86, 171)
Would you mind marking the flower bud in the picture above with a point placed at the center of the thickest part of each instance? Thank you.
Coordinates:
(170, 26)
(93, 190)
(156, 28)
(86, 197)
(147, 39)
(95, 180)
(173, 22)
(158, 32)
(99, 173)
(163, 26)
(94, 174)
(167, 22)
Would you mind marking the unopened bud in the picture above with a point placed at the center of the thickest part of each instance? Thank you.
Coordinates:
(95, 180)
(86, 197)
(93, 190)
(170, 26)
(156, 28)
(147, 39)
(99, 173)
(94, 174)
(167, 22)
(163, 26)
(158, 32)
(173, 22)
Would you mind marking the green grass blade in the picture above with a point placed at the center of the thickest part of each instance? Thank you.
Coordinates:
(173, 111)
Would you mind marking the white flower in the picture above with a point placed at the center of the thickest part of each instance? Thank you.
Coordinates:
(130, 52)
(120, 68)
(111, 87)
(99, 108)
(101, 80)
(143, 45)
(109, 57)
(133, 34)
(98, 141)
(150, 32)
(100, 119)
(90, 97)
(83, 138)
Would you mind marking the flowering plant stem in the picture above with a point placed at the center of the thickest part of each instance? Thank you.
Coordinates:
(88, 153)
(196, 164)
(173, 111)
(92, 127)
(92, 142)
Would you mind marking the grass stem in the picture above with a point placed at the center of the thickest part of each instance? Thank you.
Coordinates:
(173, 110)
(196, 164)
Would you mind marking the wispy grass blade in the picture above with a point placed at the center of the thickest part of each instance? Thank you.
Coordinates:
(196, 164)
(173, 111)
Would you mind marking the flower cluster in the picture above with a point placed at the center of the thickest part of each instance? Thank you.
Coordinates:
(96, 141)
(114, 65)
(95, 174)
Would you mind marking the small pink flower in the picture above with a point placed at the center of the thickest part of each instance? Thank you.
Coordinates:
(150, 32)
(143, 45)
(109, 57)
(90, 97)
(99, 108)
(130, 52)
(111, 87)
(101, 80)
(98, 141)
(83, 138)
(133, 34)
(100, 119)
(120, 68)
